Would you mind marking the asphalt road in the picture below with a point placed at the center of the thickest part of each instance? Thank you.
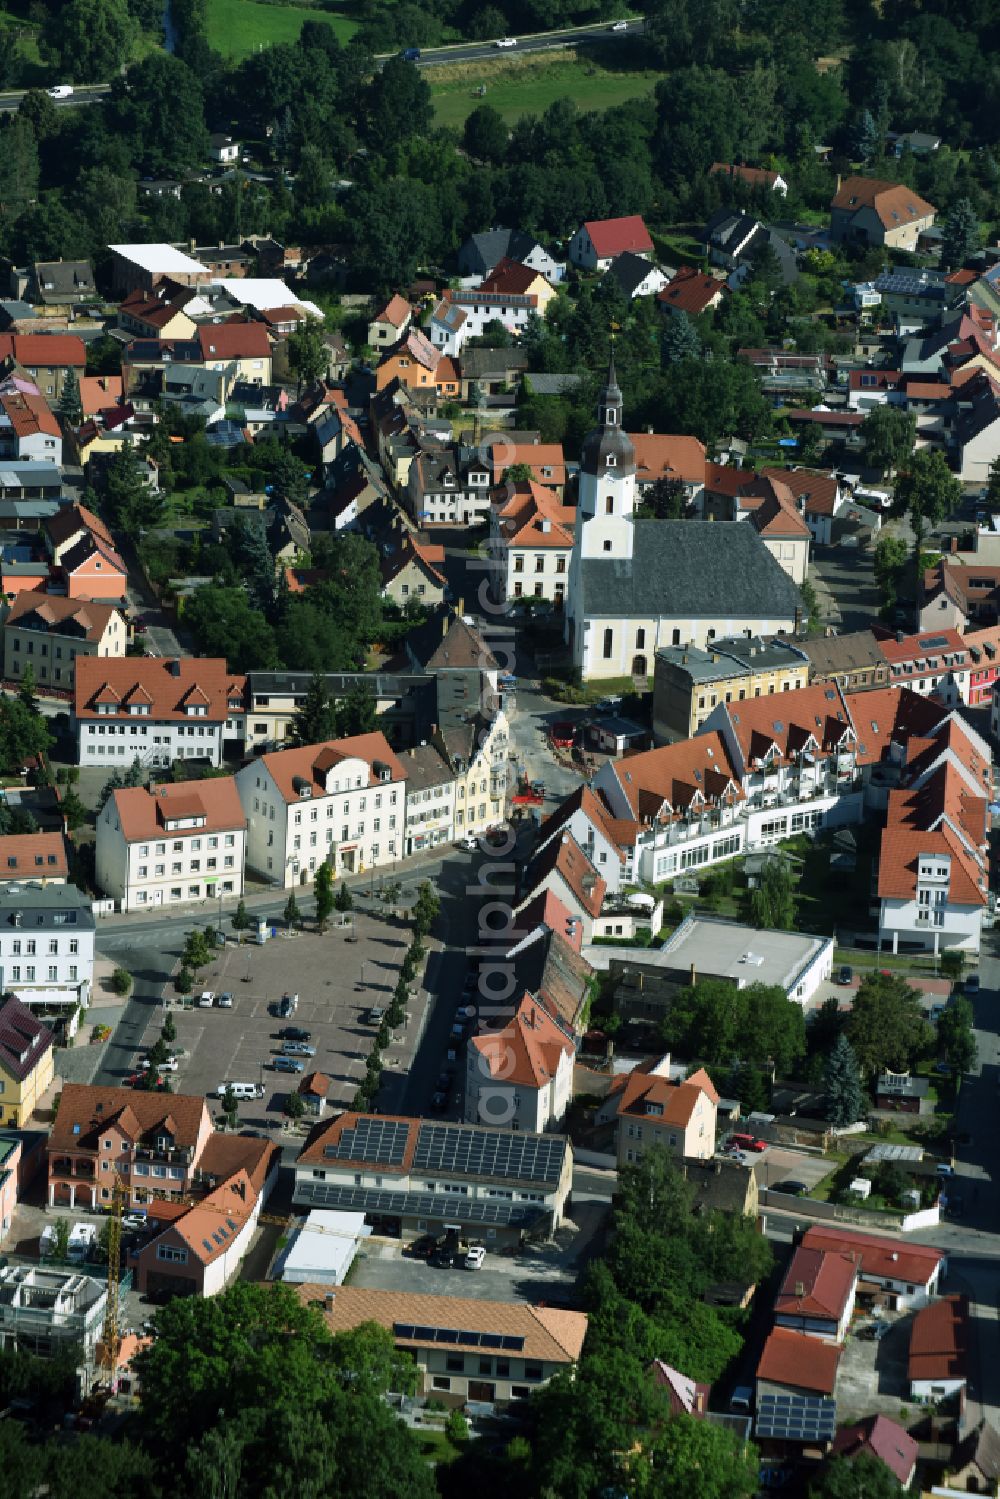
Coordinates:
(431, 58)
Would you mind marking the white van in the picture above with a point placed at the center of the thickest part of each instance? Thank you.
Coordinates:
(240, 1090)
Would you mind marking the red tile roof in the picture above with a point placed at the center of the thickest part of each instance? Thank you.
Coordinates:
(791, 722)
(311, 762)
(611, 236)
(532, 515)
(395, 312)
(663, 783)
(662, 456)
(565, 857)
(144, 814)
(673, 1103)
(939, 1340)
(167, 681)
(99, 391)
(34, 856)
(29, 415)
(585, 800)
(527, 1052)
(55, 611)
(234, 341)
(900, 853)
(882, 1438)
(44, 350)
(881, 1259)
(692, 291)
(818, 492)
(826, 1279)
(545, 459)
(799, 1361)
(511, 277)
(85, 1111)
(893, 202)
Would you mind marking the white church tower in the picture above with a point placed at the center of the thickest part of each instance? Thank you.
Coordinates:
(607, 481)
(605, 504)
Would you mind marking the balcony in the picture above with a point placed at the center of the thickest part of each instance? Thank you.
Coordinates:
(167, 1156)
(82, 1170)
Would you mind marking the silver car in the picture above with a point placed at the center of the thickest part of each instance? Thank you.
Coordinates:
(298, 1049)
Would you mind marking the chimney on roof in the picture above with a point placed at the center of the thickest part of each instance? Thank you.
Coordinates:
(329, 1300)
(954, 544)
(175, 666)
(899, 637)
(694, 976)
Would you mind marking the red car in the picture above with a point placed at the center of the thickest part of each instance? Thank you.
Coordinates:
(747, 1142)
(138, 1079)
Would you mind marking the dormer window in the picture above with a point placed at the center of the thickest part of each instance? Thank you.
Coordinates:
(610, 460)
(610, 416)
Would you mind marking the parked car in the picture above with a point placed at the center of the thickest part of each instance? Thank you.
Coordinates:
(170, 1065)
(206, 999)
(792, 1188)
(469, 843)
(375, 1015)
(475, 1257)
(972, 984)
(747, 1142)
(294, 1033)
(422, 1248)
(506, 41)
(298, 1049)
(135, 1078)
(224, 1001)
(943, 1168)
(845, 973)
(288, 1064)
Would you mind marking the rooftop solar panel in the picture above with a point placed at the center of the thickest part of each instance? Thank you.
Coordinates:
(796, 1418)
(427, 1205)
(382, 1142)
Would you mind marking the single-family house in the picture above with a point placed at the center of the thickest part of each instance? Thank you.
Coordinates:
(511, 278)
(64, 282)
(818, 1293)
(411, 571)
(655, 1110)
(389, 322)
(882, 1438)
(597, 241)
(874, 212)
(223, 148)
(42, 858)
(691, 291)
(29, 430)
(637, 276)
(243, 344)
(669, 457)
(481, 252)
(44, 357)
(975, 1462)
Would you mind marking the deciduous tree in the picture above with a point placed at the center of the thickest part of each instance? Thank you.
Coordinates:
(887, 437)
(886, 1027)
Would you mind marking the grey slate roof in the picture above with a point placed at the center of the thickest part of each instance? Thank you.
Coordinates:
(553, 385)
(630, 271)
(688, 569)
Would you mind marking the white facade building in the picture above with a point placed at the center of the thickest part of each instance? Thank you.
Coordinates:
(177, 843)
(155, 709)
(47, 949)
(342, 803)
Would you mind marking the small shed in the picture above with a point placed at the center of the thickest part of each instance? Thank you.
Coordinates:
(313, 1090)
(615, 735)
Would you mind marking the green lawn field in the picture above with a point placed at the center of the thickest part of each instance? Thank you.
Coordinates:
(239, 27)
(530, 87)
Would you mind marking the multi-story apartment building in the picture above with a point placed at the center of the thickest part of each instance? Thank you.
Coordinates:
(430, 798)
(47, 950)
(156, 710)
(26, 1065)
(411, 1176)
(170, 844)
(520, 1077)
(46, 633)
(654, 1110)
(342, 803)
(531, 542)
(688, 683)
(447, 484)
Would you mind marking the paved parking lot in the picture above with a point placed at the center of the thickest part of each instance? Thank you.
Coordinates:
(546, 1272)
(872, 1375)
(336, 981)
(781, 1163)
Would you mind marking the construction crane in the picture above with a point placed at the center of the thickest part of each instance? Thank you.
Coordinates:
(111, 1340)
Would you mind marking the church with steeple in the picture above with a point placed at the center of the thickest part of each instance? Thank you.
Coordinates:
(636, 585)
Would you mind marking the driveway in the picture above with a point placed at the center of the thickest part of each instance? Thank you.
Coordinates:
(845, 582)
